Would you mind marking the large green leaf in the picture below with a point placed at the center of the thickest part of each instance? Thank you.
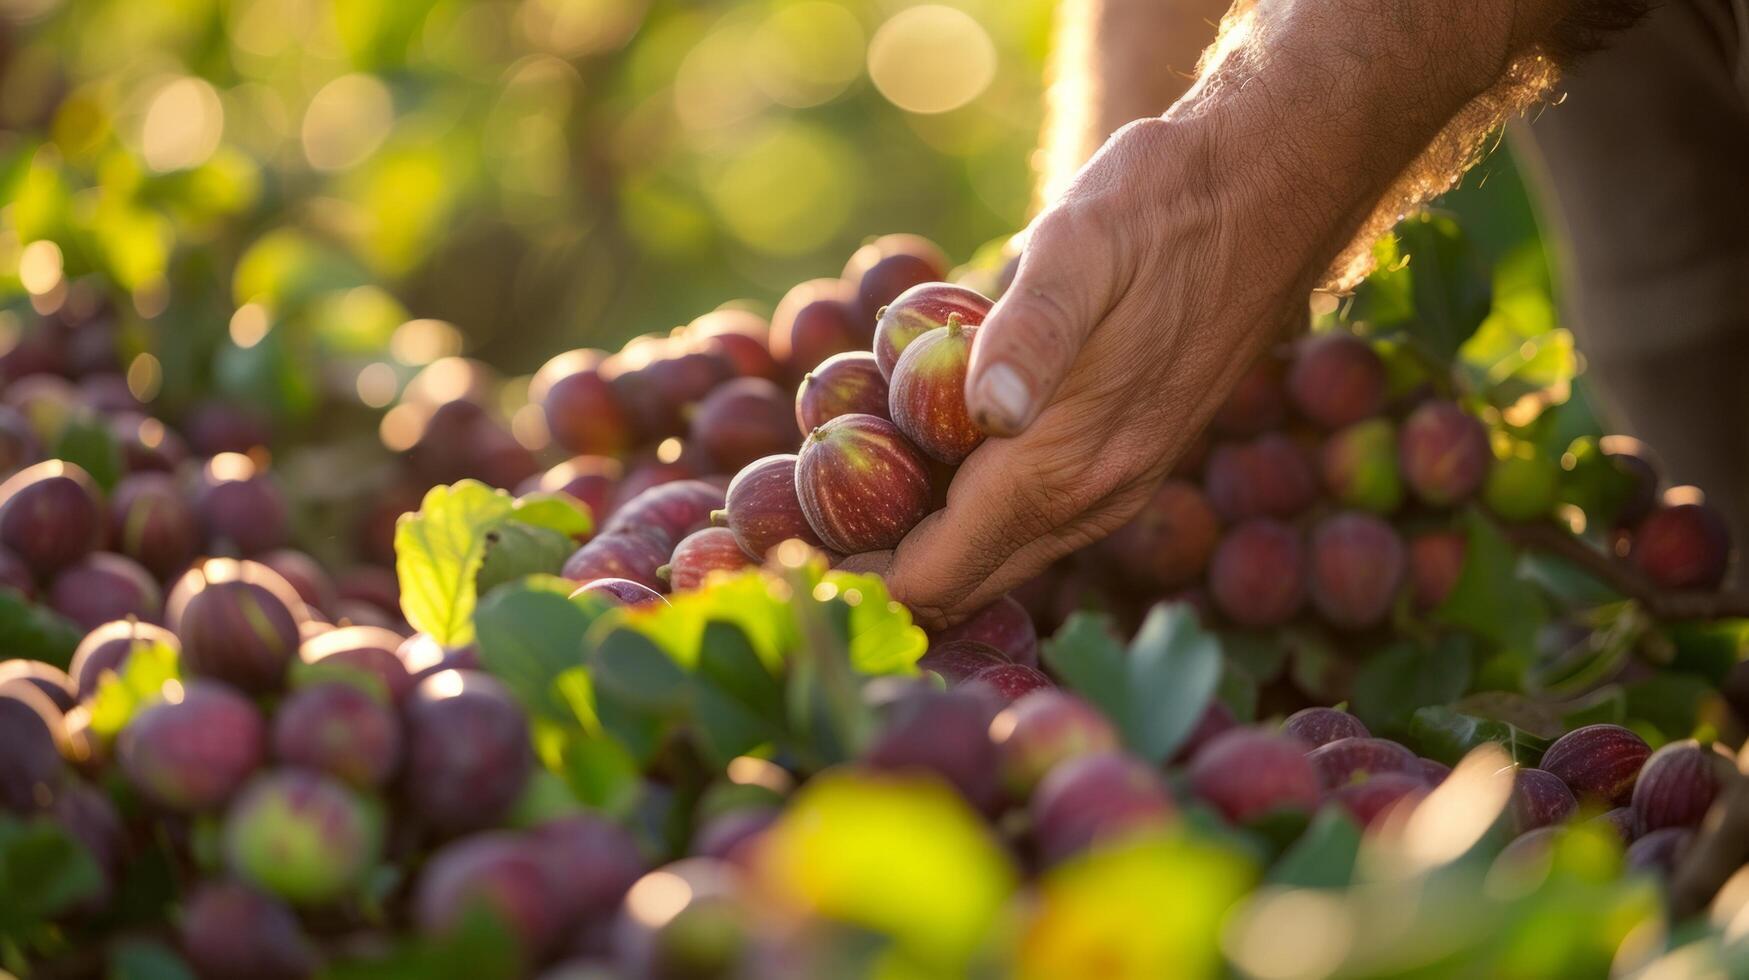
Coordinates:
(1397, 681)
(89, 441)
(1447, 735)
(515, 550)
(1324, 855)
(1489, 599)
(33, 632)
(438, 552)
(555, 512)
(43, 872)
(530, 633)
(1090, 661)
(738, 703)
(1450, 286)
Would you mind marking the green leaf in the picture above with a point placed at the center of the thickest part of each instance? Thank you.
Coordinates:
(1324, 855)
(1489, 599)
(1089, 660)
(33, 632)
(1448, 282)
(529, 633)
(601, 772)
(736, 699)
(149, 666)
(629, 666)
(1447, 735)
(88, 441)
(1174, 665)
(882, 638)
(555, 512)
(1396, 681)
(147, 959)
(515, 550)
(43, 872)
(1669, 702)
(438, 553)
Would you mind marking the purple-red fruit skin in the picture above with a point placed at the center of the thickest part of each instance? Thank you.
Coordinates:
(241, 510)
(238, 622)
(1677, 786)
(744, 420)
(884, 268)
(499, 870)
(1540, 799)
(850, 383)
(30, 757)
(468, 752)
(1246, 773)
(631, 555)
(1598, 762)
(1094, 796)
(103, 587)
(1168, 544)
(1339, 762)
(341, 730)
(946, 733)
(107, 649)
(861, 483)
(1270, 476)
(1216, 720)
(194, 753)
(1337, 380)
(230, 931)
(1683, 546)
(590, 864)
(1436, 562)
(1621, 821)
(958, 660)
(368, 650)
(1257, 403)
(305, 575)
(50, 516)
(1013, 681)
(151, 522)
(621, 592)
(1659, 852)
(813, 321)
(670, 510)
(1320, 726)
(917, 311)
(583, 412)
(591, 479)
(52, 681)
(762, 508)
(16, 575)
(926, 396)
(1041, 730)
(1357, 564)
(1003, 624)
(700, 553)
(1444, 453)
(1257, 576)
(1371, 799)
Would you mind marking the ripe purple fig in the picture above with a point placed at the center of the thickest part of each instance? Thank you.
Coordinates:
(683, 373)
(369, 651)
(151, 522)
(341, 730)
(31, 770)
(1216, 720)
(744, 337)
(1093, 797)
(1436, 562)
(147, 445)
(583, 412)
(50, 515)
(1248, 772)
(1337, 380)
(926, 396)
(1257, 576)
(305, 575)
(301, 835)
(103, 587)
(1619, 821)
(239, 623)
(1340, 762)
(499, 871)
(1039, 731)
(230, 931)
(850, 383)
(1683, 543)
(1013, 681)
(1370, 800)
(1540, 799)
(861, 483)
(19, 446)
(590, 479)
(215, 427)
(1357, 563)
(917, 311)
(1598, 762)
(1634, 460)
(620, 592)
(743, 420)
(1002, 624)
(1270, 476)
(468, 751)
(193, 750)
(1168, 544)
(884, 268)
(1359, 466)
(700, 553)
(815, 320)
(957, 660)
(633, 555)
(106, 649)
(1677, 785)
(1659, 852)
(946, 733)
(423, 656)
(51, 681)
(589, 863)
(1320, 726)
(762, 508)
(241, 510)
(1257, 403)
(672, 510)
(1444, 453)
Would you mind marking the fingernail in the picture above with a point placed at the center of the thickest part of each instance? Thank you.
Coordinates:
(1005, 399)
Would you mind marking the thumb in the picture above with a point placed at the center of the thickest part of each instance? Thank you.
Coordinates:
(1030, 340)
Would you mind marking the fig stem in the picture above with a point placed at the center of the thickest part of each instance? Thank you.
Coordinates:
(955, 324)
(664, 572)
(719, 518)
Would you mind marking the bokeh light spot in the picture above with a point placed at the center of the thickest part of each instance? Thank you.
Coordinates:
(182, 125)
(788, 191)
(39, 267)
(347, 121)
(931, 59)
(806, 53)
(249, 325)
(377, 384)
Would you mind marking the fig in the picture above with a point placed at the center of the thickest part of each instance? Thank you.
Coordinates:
(1357, 563)
(151, 522)
(102, 587)
(946, 733)
(307, 578)
(468, 753)
(743, 420)
(583, 412)
(1659, 852)
(1320, 726)
(1540, 799)
(19, 446)
(700, 553)
(31, 770)
(620, 592)
(192, 753)
(423, 656)
(1619, 821)
(238, 622)
(917, 311)
(240, 509)
(1436, 562)
(850, 383)
(147, 445)
(957, 660)
(230, 931)
(590, 479)
(1337, 380)
(1246, 773)
(1378, 795)
(926, 395)
(589, 862)
(884, 268)
(686, 919)
(1002, 624)
(1216, 720)
(446, 449)
(1359, 466)
(215, 427)
(762, 509)
(684, 373)
(1598, 762)
(1094, 797)
(1257, 403)
(1257, 577)
(1522, 485)
(106, 649)
(1270, 476)
(368, 651)
(672, 510)
(1683, 543)
(1168, 544)
(301, 836)
(499, 872)
(670, 462)
(51, 681)
(1677, 785)
(744, 337)
(341, 730)
(1444, 453)
(861, 483)
(1041, 730)
(1634, 461)
(812, 322)
(633, 555)
(47, 403)
(50, 516)
(1346, 759)
(1013, 681)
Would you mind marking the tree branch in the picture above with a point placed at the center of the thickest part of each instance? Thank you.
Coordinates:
(1624, 578)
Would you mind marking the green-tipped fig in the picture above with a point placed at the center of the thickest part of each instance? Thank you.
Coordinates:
(1359, 466)
(700, 553)
(238, 622)
(1523, 485)
(1444, 453)
(301, 836)
(919, 310)
(861, 483)
(926, 396)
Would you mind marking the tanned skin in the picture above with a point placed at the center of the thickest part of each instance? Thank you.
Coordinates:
(1191, 237)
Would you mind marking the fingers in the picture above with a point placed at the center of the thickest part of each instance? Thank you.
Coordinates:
(1029, 342)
